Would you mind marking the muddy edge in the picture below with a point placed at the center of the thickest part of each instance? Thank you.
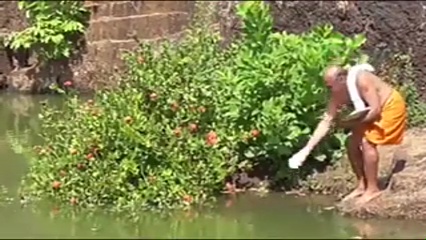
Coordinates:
(402, 175)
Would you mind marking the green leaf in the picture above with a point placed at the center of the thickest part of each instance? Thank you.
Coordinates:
(321, 157)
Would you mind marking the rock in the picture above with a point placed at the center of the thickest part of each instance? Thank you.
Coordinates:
(20, 80)
(39, 78)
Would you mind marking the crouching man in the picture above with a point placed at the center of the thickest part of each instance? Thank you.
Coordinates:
(383, 124)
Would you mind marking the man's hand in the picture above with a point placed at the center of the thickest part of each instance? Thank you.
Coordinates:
(348, 124)
(297, 159)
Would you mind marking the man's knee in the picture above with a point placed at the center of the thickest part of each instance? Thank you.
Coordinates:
(370, 150)
(354, 141)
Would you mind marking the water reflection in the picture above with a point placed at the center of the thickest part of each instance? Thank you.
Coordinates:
(390, 229)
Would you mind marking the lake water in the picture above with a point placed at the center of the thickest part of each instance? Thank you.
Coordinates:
(244, 216)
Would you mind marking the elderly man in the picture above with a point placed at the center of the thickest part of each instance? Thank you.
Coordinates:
(383, 124)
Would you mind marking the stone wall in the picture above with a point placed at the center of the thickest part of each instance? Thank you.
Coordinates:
(114, 25)
(113, 28)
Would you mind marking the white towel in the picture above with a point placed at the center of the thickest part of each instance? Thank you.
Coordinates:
(351, 84)
(295, 161)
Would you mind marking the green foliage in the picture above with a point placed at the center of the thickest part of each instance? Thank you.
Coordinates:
(399, 72)
(54, 26)
(188, 115)
(275, 85)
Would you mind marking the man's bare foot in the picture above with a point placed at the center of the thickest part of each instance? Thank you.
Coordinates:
(354, 194)
(368, 196)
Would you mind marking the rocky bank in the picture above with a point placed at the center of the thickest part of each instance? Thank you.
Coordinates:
(403, 178)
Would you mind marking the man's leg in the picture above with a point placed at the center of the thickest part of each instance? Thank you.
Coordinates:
(356, 160)
(371, 170)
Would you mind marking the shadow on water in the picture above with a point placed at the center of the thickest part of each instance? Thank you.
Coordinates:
(246, 216)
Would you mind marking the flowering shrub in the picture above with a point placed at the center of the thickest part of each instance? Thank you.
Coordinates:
(275, 84)
(187, 116)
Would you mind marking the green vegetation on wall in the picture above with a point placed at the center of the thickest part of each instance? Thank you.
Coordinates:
(54, 27)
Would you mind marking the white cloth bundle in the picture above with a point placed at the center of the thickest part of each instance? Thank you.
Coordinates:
(351, 84)
(295, 162)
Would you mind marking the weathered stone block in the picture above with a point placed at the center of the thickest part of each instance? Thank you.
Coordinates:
(148, 7)
(5, 65)
(177, 22)
(99, 30)
(119, 28)
(102, 51)
(151, 26)
(100, 10)
(94, 31)
(159, 25)
(125, 8)
(110, 53)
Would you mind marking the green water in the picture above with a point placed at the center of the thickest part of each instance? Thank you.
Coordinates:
(244, 216)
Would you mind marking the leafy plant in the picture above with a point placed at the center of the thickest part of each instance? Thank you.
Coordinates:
(54, 26)
(188, 115)
(275, 87)
(399, 72)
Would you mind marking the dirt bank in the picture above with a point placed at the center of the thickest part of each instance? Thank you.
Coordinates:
(403, 178)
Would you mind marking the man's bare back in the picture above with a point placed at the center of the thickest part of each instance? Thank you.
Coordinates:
(383, 89)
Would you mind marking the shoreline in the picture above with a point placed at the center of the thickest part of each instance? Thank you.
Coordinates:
(402, 173)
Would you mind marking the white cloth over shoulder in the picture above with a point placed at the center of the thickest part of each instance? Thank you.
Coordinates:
(351, 84)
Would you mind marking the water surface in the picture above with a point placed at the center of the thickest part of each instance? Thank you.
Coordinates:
(245, 216)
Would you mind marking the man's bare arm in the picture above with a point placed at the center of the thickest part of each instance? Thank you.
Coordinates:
(323, 126)
(369, 93)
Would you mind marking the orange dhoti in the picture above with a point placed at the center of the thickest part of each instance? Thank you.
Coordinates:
(389, 130)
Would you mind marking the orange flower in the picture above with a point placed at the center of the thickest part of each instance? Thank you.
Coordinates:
(255, 133)
(141, 60)
(175, 106)
(212, 138)
(153, 97)
(73, 201)
(202, 109)
(193, 127)
(42, 151)
(56, 185)
(73, 151)
(90, 157)
(187, 199)
(178, 132)
(81, 166)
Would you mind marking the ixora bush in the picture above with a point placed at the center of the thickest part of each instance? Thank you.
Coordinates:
(186, 116)
(275, 85)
